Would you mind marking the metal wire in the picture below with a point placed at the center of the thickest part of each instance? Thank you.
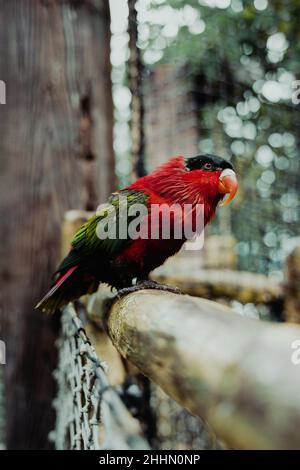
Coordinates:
(89, 412)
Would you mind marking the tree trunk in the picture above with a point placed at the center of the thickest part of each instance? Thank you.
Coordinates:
(135, 77)
(56, 153)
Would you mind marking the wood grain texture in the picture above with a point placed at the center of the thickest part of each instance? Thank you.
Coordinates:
(223, 283)
(234, 372)
(56, 154)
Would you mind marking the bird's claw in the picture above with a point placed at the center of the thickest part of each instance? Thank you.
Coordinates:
(147, 284)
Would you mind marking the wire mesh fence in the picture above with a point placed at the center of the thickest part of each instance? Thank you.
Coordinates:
(177, 429)
(89, 412)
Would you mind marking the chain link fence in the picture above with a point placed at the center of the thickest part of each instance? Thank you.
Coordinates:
(177, 429)
(89, 412)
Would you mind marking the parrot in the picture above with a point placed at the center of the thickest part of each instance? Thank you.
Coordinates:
(120, 261)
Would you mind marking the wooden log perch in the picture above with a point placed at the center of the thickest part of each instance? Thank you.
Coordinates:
(242, 286)
(234, 372)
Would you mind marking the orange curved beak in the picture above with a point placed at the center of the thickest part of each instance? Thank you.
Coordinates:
(228, 184)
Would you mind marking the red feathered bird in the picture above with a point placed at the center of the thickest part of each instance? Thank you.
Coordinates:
(118, 260)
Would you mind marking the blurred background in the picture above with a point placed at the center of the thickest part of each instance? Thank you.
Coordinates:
(98, 93)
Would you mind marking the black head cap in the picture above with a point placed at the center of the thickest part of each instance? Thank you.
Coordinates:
(207, 162)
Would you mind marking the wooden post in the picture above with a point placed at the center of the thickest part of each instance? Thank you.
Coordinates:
(135, 76)
(56, 151)
(292, 297)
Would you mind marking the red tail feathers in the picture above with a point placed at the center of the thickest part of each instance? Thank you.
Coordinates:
(50, 301)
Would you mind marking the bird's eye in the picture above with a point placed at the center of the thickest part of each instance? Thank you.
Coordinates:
(207, 166)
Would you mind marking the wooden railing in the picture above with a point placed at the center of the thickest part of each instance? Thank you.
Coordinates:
(236, 373)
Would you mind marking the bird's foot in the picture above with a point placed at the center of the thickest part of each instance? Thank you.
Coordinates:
(147, 284)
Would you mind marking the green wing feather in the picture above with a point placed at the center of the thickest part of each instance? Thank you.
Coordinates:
(86, 243)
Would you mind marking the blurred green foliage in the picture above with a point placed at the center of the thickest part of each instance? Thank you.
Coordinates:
(241, 60)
